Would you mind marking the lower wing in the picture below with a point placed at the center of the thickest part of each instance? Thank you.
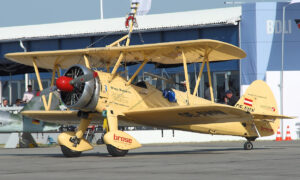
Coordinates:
(186, 115)
(166, 116)
(67, 117)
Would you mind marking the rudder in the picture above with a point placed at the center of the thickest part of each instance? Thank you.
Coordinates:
(259, 98)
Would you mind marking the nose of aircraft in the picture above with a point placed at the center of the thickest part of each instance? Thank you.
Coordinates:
(66, 84)
(63, 84)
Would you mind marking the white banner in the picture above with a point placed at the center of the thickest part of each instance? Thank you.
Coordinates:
(144, 6)
(294, 1)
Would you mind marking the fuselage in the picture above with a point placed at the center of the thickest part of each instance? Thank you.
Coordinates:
(142, 96)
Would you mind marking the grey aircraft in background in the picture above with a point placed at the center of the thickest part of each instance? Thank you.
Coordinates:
(17, 123)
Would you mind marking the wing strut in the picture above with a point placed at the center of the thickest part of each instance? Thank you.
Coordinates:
(47, 104)
(51, 93)
(86, 61)
(137, 71)
(209, 79)
(107, 67)
(206, 60)
(113, 72)
(186, 75)
(199, 78)
(117, 42)
(37, 73)
(128, 36)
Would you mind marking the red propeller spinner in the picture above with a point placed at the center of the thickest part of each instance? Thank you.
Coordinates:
(66, 84)
(63, 84)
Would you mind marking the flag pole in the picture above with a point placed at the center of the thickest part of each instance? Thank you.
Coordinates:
(282, 57)
(282, 64)
(101, 9)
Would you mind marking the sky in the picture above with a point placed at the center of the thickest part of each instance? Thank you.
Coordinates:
(29, 12)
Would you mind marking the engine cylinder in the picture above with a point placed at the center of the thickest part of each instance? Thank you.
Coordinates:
(85, 95)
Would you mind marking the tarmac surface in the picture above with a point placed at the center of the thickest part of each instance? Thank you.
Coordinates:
(216, 160)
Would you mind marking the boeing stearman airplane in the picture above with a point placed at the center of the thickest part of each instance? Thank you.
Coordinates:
(105, 97)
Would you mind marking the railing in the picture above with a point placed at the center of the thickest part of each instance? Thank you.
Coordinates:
(13, 109)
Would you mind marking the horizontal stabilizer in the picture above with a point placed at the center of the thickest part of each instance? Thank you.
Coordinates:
(270, 116)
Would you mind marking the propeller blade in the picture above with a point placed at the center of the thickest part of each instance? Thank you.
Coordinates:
(66, 84)
(48, 90)
(84, 78)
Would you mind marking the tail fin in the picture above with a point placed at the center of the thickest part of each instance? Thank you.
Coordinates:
(260, 102)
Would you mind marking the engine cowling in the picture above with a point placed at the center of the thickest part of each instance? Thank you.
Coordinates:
(83, 96)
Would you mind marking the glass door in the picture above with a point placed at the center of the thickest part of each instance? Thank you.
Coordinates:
(220, 85)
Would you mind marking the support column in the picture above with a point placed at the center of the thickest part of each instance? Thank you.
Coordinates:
(26, 81)
(1, 90)
(10, 90)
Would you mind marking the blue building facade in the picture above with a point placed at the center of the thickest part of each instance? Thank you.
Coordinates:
(224, 73)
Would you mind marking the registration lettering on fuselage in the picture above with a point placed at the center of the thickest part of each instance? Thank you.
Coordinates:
(201, 113)
(245, 108)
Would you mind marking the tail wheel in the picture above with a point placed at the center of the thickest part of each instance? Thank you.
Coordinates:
(69, 153)
(248, 145)
(115, 152)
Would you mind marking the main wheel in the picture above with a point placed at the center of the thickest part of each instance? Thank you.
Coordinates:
(248, 145)
(69, 153)
(115, 151)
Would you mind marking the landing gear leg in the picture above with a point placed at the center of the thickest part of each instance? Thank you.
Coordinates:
(111, 124)
(105, 129)
(70, 142)
(84, 123)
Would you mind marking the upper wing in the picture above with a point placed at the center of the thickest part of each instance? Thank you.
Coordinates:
(186, 115)
(164, 53)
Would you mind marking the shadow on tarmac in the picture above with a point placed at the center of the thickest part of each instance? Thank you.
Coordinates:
(130, 154)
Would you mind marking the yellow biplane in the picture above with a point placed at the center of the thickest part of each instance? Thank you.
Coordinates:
(104, 97)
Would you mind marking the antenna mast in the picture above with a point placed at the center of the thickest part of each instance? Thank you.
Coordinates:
(129, 23)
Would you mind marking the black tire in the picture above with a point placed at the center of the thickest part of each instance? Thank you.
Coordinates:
(69, 153)
(248, 145)
(115, 152)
